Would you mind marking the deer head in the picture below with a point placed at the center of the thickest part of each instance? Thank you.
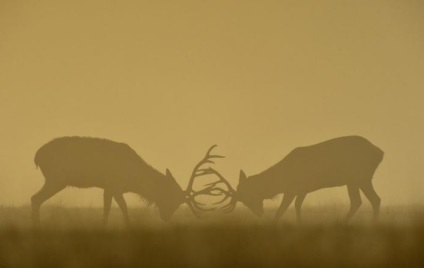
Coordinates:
(175, 196)
(247, 193)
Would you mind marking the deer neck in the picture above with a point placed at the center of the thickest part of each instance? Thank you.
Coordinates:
(267, 186)
(150, 187)
(158, 188)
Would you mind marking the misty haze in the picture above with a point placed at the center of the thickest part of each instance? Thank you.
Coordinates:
(111, 112)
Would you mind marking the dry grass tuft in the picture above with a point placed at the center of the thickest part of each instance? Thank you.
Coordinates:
(73, 237)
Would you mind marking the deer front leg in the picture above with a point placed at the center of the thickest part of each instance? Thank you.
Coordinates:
(119, 198)
(355, 201)
(107, 203)
(285, 203)
(298, 204)
(47, 191)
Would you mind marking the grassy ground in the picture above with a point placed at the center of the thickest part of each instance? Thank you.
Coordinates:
(73, 237)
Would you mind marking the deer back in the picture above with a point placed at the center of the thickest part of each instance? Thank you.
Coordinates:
(92, 162)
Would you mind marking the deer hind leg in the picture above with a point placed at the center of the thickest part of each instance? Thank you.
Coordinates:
(298, 204)
(355, 200)
(47, 191)
(368, 190)
(285, 203)
(107, 203)
(119, 198)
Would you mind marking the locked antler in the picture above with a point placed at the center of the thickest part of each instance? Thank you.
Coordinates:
(212, 189)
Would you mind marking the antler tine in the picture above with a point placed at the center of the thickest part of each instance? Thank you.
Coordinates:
(212, 189)
(205, 160)
(209, 155)
(226, 196)
(196, 212)
(197, 207)
(222, 180)
(230, 207)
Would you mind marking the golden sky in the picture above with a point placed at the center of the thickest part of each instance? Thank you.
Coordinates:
(171, 78)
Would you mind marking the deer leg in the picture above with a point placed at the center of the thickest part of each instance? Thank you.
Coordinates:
(355, 201)
(285, 203)
(119, 198)
(298, 204)
(47, 191)
(107, 203)
(369, 192)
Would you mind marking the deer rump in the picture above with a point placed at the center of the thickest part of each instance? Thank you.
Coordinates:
(336, 162)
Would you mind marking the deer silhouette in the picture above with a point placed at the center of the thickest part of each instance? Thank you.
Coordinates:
(93, 162)
(350, 161)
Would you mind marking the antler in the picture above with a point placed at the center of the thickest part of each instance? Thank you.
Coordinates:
(212, 189)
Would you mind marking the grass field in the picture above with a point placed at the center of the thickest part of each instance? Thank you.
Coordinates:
(73, 237)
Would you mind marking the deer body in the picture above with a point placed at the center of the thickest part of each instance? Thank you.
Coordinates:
(115, 167)
(350, 161)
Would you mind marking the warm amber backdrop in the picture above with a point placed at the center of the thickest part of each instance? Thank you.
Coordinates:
(171, 78)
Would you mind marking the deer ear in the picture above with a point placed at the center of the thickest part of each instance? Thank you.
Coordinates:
(168, 173)
(242, 176)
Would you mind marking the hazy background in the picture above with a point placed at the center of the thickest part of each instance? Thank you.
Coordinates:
(171, 78)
